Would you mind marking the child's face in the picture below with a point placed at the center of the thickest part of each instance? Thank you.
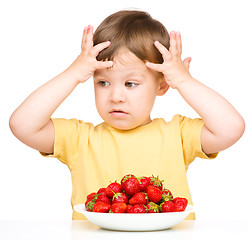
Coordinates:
(126, 92)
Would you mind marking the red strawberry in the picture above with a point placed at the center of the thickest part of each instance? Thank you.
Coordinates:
(180, 204)
(126, 177)
(120, 197)
(167, 195)
(139, 198)
(167, 206)
(91, 200)
(101, 190)
(101, 207)
(130, 185)
(154, 193)
(102, 197)
(118, 208)
(90, 204)
(137, 208)
(129, 207)
(91, 196)
(87, 206)
(152, 207)
(154, 181)
(113, 188)
(144, 182)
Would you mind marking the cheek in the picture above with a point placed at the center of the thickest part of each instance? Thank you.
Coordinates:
(144, 101)
(99, 99)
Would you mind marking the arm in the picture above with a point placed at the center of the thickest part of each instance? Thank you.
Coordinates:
(223, 124)
(31, 122)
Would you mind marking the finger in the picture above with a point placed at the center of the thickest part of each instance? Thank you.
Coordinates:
(162, 49)
(104, 64)
(99, 47)
(187, 61)
(155, 66)
(173, 44)
(89, 37)
(83, 38)
(179, 43)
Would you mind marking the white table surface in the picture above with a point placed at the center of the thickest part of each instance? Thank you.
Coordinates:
(84, 230)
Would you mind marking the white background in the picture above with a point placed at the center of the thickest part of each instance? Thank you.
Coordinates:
(40, 39)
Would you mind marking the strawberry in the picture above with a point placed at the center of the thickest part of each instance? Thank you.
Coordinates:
(135, 195)
(152, 207)
(91, 196)
(126, 177)
(154, 193)
(118, 208)
(120, 197)
(113, 188)
(154, 181)
(139, 198)
(101, 207)
(90, 204)
(87, 205)
(137, 208)
(102, 197)
(166, 195)
(144, 182)
(128, 209)
(167, 206)
(101, 190)
(91, 200)
(130, 185)
(180, 204)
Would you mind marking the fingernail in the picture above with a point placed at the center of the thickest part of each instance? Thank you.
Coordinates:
(89, 27)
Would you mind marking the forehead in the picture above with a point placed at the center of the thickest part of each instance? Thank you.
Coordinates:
(125, 62)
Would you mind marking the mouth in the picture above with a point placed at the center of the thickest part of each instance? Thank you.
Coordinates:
(118, 113)
(118, 110)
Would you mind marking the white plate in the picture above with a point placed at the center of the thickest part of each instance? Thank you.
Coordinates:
(135, 221)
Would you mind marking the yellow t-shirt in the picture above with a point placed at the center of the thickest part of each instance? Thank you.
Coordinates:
(100, 154)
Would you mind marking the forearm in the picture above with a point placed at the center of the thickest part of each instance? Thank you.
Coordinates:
(35, 112)
(219, 116)
(223, 124)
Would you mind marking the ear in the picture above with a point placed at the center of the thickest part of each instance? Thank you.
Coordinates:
(163, 87)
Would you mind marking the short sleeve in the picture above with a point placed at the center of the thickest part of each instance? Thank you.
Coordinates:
(190, 130)
(69, 134)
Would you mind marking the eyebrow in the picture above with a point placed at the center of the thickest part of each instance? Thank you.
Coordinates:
(135, 73)
(129, 74)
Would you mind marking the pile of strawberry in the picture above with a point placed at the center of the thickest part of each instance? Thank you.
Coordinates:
(135, 195)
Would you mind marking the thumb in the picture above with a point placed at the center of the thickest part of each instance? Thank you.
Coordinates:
(187, 61)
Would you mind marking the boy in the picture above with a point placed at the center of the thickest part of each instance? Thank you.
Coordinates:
(133, 59)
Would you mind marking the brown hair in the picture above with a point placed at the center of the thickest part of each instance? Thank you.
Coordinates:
(134, 30)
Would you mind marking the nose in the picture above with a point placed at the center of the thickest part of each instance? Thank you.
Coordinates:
(117, 94)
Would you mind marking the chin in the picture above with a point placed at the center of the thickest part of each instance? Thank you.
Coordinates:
(123, 126)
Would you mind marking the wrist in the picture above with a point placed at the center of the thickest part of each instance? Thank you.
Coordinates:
(70, 76)
(186, 81)
(80, 70)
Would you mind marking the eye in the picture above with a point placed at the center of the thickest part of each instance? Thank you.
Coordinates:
(103, 83)
(131, 84)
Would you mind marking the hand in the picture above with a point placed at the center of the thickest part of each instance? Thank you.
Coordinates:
(85, 64)
(174, 69)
